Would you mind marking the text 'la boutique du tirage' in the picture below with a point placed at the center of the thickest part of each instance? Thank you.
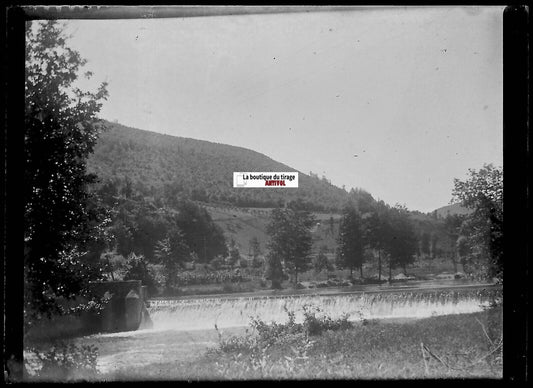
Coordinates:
(265, 179)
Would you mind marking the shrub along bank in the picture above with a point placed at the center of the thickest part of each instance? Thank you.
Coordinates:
(467, 345)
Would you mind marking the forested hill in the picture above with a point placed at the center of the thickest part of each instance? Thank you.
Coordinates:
(201, 170)
(452, 210)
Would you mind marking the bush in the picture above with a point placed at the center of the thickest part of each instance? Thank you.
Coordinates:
(256, 356)
(234, 343)
(137, 268)
(314, 325)
(332, 283)
(257, 263)
(275, 347)
(217, 262)
(461, 346)
(67, 362)
(274, 332)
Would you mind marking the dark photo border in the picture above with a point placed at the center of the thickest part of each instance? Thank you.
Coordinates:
(517, 171)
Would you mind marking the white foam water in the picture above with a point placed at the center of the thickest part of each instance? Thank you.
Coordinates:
(196, 314)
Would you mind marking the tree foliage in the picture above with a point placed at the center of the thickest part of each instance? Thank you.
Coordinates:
(351, 241)
(202, 235)
(321, 262)
(234, 254)
(390, 232)
(482, 229)
(274, 270)
(425, 244)
(138, 268)
(403, 242)
(452, 227)
(138, 221)
(171, 254)
(255, 252)
(197, 170)
(290, 239)
(61, 129)
(255, 247)
(434, 245)
(163, 254)
(378, 232)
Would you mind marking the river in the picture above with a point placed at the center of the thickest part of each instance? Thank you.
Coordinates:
(185, 327)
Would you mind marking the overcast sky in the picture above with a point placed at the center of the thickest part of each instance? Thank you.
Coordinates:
(397, 101)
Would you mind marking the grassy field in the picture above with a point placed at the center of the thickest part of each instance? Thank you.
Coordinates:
(455, 346)
(241, 224)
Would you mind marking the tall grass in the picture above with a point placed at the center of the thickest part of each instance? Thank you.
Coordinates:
(467, 345)
(319, 347)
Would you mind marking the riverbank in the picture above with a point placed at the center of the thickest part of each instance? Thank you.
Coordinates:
(387, 349)
(201, 280)
(458, 346)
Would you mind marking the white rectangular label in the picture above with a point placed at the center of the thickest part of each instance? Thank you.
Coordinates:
(265, 179)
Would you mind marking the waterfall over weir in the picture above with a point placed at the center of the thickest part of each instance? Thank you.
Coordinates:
(204, 313)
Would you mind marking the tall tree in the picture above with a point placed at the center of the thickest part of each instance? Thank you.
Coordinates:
(452, 225)
(482, 192)
(377, 231)
(178, 245)
(403, 242)
(321, 261)
(61, 129)
(255, 251)
(274, 270)
(290, 238)
(425, 242)
(202, 235)
(163, 253)
(463, 250)
(234, 256)
(351, 241)
(434, 245)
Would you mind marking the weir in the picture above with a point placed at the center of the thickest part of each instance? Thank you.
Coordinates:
(204, 313)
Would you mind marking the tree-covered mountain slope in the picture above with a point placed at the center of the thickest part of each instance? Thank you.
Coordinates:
(201, 170)
(453, 209)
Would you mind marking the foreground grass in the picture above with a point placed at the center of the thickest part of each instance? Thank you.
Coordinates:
(459, 346)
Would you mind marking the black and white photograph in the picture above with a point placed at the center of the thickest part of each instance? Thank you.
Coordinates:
(263, 193)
